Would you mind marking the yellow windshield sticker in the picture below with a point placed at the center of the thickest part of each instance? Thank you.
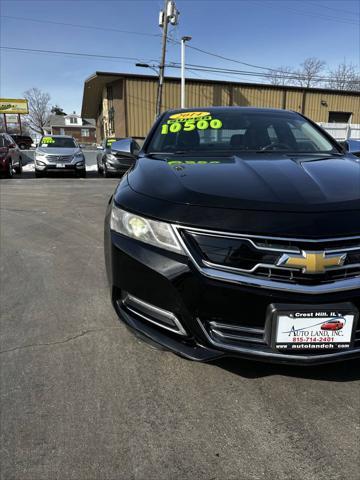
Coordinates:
(110, 141)
(47, 140)
(188, 115)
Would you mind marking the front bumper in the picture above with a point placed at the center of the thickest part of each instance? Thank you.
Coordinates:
(171, 282)
(54, 168)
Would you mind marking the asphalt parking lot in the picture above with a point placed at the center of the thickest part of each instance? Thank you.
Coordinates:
(83, 399)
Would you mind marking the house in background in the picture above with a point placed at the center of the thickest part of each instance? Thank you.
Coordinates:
(83, 129)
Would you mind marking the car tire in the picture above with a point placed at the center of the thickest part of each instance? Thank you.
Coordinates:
(82, 174)
(105, 172)
(19, 169)
(22, 146)
(39, 174)
(10, 172)
(99, 170)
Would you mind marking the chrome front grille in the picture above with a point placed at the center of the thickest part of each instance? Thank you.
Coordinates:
(256, 260)
(59, 158)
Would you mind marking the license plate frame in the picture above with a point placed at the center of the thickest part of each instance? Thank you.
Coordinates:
(310, 319)
(60, 165)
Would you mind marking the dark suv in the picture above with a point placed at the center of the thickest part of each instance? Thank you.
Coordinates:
(23, 141)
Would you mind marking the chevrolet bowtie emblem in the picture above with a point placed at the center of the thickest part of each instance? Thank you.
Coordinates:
(312, 262)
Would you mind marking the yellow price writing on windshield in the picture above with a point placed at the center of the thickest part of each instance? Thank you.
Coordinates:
(191, 124)
(47, 140)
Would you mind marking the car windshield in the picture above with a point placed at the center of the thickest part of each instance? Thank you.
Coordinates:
(224, 130)
(58, 142)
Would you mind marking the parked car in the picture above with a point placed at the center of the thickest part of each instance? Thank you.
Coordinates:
(59, 153)
(110, 162)
(10, 156)
(23, 141)
(231, 221)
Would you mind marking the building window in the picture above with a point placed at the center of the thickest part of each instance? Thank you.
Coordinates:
(85, 132)
(111, 121)
(62, 131)
(340, 117)
(109, 93)
(73, 120)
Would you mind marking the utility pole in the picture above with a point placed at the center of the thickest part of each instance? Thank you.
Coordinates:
(169, 14)
(183, 40)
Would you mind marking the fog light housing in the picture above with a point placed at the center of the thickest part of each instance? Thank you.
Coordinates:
(80, 164)
(158, 316)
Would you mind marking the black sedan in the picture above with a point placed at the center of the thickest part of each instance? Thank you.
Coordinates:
(237, 233)
(110, 162)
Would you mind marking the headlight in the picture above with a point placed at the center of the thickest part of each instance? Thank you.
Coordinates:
(38, 162)
(79, 156)
(156, 233)
(80, 164)
(40, 155)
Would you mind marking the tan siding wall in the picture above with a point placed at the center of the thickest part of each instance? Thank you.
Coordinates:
(140, 105)
(335, 103)
(141, 93)
(294, 101)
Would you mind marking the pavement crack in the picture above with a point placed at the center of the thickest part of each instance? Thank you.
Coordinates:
(66, 340)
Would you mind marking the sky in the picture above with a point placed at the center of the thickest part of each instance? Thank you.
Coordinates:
(267, 33)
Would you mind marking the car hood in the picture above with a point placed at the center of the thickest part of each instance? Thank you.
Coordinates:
(58, 151)
(266, 181)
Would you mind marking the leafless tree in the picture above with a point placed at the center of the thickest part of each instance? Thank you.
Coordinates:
(310, 73)
(38, 109)
(283, 75)
(344, 77)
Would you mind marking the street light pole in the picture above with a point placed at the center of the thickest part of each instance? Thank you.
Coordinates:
(183, 40)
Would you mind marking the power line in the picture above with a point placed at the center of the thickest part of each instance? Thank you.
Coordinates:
(78, 54)
(196, 67)
(92, 27)
(205, 68)
(332, 8)
(227, 58)
(269, 69)
(309, 14)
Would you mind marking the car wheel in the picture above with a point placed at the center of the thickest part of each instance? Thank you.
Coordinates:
(19, 169)
(22, 146)
(10, 172)
(82, 174)
(105, 172)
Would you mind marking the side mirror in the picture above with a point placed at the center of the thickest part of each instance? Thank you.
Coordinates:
(352, 146)
(345, 146)
(125, 147)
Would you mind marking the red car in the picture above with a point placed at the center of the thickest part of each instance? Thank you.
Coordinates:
(10, 157)
(336, 324)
